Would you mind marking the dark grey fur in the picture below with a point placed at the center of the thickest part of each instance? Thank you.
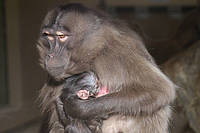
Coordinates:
(140, 93)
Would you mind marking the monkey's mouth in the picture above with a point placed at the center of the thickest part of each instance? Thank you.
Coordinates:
(56, 71)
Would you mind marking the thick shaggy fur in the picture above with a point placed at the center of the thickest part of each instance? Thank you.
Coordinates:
(140, 94)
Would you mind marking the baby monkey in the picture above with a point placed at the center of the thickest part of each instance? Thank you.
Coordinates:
(90, 92)
(84, 85)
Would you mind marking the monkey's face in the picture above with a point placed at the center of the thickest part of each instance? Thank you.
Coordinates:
(56, 57)
(66, 44)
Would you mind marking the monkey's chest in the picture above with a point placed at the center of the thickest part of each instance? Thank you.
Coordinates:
(119, 124)
(155, 123)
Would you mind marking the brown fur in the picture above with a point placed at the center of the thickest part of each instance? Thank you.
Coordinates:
(140, 92)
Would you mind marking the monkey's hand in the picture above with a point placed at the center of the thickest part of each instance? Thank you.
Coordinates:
(95, 125)
(77, 126)
(78, 108)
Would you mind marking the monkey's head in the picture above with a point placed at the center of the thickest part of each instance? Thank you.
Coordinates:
(70, 39)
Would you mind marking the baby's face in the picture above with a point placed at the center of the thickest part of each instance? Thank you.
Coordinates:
(85, 94)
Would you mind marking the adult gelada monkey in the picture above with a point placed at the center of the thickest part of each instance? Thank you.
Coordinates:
(74, 40)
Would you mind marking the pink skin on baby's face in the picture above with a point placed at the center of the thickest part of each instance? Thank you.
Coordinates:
(85, 94)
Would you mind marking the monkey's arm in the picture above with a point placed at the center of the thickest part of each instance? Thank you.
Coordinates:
(88, 82)
(75, 125)
(145, 94)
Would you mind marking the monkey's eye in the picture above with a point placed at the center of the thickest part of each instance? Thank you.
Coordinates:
(48, 35)
(45, 34)
(62, 37)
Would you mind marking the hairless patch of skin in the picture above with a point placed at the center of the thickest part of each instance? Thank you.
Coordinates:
(98, 91)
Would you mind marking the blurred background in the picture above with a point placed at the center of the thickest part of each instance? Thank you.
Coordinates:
(170, 29)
